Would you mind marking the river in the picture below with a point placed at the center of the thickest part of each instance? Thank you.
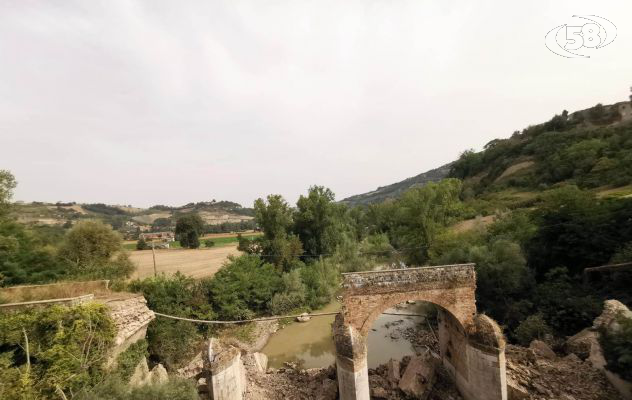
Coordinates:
(310, 344)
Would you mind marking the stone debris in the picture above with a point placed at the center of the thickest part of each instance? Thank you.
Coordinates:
(143, 376)
(303, 317)
(612, 311)
(193, 368)
(419, 376)
(415, 380)
(542, 349)
(291, 384)
(531, 376)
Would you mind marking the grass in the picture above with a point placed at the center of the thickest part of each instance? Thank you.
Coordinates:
(219, 242)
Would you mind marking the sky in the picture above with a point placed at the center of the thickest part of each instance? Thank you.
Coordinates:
(171, 102)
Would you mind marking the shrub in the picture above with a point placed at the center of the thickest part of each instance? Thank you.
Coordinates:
(115, 389)
(243, 287)
(209, 243)
(67, 349)
(534, 327)
(141, 244)
(127, 361)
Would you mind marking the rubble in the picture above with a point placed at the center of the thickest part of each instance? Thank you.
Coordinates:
(531, 376)
(542, 349)
(419, 376)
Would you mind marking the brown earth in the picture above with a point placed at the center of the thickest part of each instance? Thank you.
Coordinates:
(196, 263)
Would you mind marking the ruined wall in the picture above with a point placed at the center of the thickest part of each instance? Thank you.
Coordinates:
(474, 356)
(131, 317)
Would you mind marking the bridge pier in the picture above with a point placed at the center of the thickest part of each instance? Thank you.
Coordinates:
(351, 362)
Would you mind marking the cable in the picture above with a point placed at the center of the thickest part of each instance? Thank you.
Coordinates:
(273, 318)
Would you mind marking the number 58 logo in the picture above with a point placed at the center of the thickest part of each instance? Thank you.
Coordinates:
(565, 40)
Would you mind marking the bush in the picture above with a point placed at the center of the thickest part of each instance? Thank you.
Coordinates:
(174, 342)
(534, 327)
(243, 287)
(293, 296)
(127, 361)
(142, 244)
(115, 389)
(209, 243)
(68, 347)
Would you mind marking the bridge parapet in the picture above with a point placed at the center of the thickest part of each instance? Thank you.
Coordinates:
(385, 281)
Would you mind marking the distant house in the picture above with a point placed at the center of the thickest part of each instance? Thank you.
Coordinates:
(166, 236)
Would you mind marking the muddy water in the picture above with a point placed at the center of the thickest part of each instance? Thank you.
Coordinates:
(310, 344)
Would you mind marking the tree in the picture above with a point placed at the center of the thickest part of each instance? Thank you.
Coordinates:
(320, 222)
(421, 214)
(189, 227)
(7, 184)
(274, 216)
(93, 249)
(141, 244)
(282, 248)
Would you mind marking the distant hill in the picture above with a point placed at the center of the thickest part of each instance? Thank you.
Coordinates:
(220, 216)
(590, 148)
(396, 189)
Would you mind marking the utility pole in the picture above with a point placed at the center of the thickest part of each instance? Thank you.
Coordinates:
(153, 253)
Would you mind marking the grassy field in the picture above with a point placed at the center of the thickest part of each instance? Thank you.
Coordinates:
(197, 263)
(220, 239)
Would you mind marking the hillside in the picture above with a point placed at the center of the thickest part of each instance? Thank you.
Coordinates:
(395, 189)
(219, 216)
(590, 148)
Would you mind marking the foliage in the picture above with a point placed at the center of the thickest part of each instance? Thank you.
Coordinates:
(188, 230)
(414, 221)
(617, 346)
(114, 388)
(577, 230)
(321, 279)
(93, 250)
(7, 184)
(24, 258)
(564, 304)
(127, 361)
(172, 342)
(623, 255)
(293, 295)
(534, 327)
(563, 150)
(319, 222)
(142, 244)
(243, 287)
(209, 243)
(67, 350)
(101, 208)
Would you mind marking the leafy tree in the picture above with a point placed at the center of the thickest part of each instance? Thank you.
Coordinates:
(141, 244)
(274, 216)
(243, 287)
(319, 222)
(24, 258)
(188, 230)
(293, 295)
(281, 247)
(93, 249)
(7, 184)
(421, 214)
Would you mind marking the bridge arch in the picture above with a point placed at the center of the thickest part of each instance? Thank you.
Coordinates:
(477, 369)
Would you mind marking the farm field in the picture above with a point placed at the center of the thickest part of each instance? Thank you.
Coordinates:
(220, 239)
(197, 263)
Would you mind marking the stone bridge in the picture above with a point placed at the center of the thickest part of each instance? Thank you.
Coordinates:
(471, 345)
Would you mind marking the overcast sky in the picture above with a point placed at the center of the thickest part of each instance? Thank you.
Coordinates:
(169, 102)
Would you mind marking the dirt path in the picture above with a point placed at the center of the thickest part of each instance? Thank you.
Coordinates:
(195, 263)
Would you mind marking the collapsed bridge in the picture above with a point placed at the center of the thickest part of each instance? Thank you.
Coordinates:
(471, 345)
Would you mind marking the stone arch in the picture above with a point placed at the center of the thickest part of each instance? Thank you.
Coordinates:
(478, 369)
